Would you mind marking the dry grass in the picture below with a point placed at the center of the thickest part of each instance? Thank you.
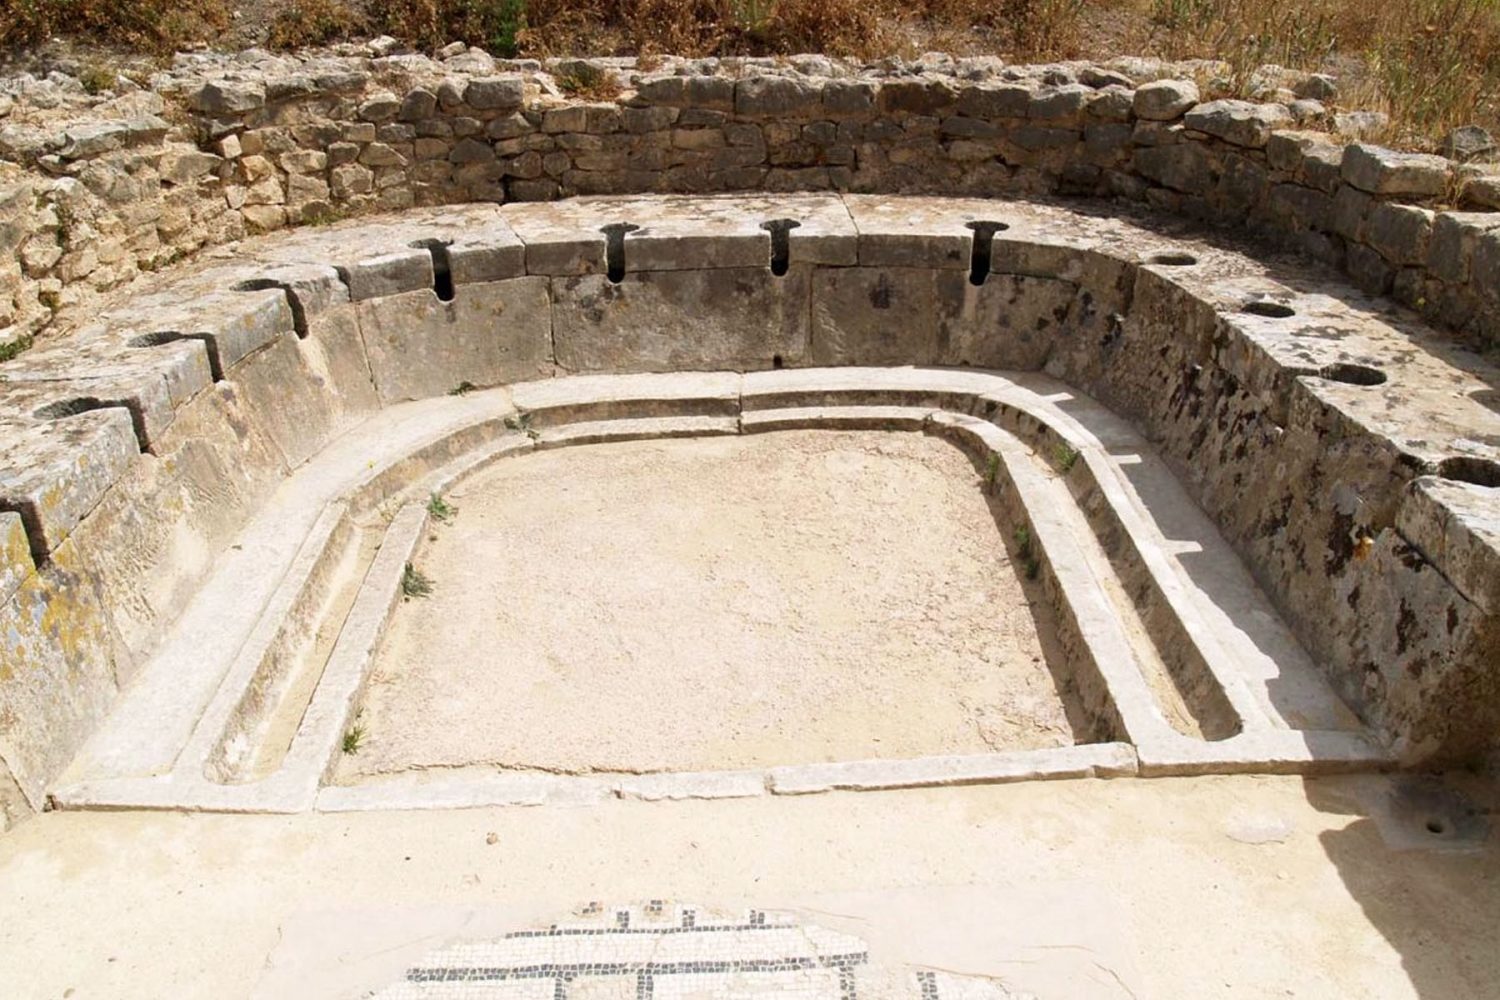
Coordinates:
(1431, 64)
(155, 26)
(314, 22)
(588, 82)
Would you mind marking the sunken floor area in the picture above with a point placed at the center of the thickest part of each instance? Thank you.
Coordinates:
(714, 603)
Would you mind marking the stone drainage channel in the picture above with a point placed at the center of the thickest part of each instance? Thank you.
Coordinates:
(244, 707)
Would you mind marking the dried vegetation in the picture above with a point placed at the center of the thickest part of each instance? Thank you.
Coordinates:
(1431, 64)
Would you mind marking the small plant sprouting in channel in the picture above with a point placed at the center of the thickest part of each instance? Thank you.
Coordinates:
(463, 388)
(414, 583)
(1029, 562)
(439, 509)
(991, 471)
(1066, 456)
(522, 422)
(354, 738)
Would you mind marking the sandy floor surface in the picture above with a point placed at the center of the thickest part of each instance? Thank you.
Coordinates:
(713, 603)
(1210, 888)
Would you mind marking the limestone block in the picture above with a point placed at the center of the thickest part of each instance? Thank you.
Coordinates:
(1183, 166)
(1422, 653)
(1164, 100)
(304, 161)
(185, 165)
(1399, 232)
(487, 253)
(1456, 525)
(848, 97)
(495, 93)
(556, 242)
(490, 334)
(282, 389)
(990, 101)
(1059, 102)
(350, 179)
(389, 273)
(895, 315)
(140, 388)
(233, 322)
(777, 97)
(56, 671)
(1350, 209)
(1454, 235)
(380, 154)
(1299, 207)
(381, 106)
(1387, 172)
(1485, 270)
(151, 541)
(227, 97)
(916, 95)
(1112, 104)
(656, 320)
(1242, 123)
(55, 471)
(92, 139)
(418, 105)
(303, 190)
(1479, 186)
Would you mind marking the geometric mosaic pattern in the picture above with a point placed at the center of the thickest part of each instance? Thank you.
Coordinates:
(665, 951)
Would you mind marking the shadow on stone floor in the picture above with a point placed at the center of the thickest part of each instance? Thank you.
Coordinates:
(1432, 832)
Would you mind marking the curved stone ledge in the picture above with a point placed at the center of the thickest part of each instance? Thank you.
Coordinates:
(188, 741)
(1348, 454)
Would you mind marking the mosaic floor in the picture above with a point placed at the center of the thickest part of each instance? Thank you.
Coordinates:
(676, 951)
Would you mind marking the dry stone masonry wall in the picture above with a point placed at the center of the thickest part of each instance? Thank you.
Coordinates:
(1349, 452)
(94, 191)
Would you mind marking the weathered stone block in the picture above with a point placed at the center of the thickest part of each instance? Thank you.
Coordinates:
(777, 96)
(1241, 123)
(1183, 166)
(1454, 235)
(1059, 102)
(151, 540)
(58, 675)
(1164, 100)
(57, 470)
(916, 96)
(489, 334)
(1350, 208)
(418, 105)
(711, 92)
(392, 273)
(227, 97)
(1399, 232)
(495, 93)
(848, 97)
(892, 315)
(655, 320)
(994, 101)
(1387, 172)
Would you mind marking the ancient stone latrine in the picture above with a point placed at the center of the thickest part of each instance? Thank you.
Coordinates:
(1286, 484)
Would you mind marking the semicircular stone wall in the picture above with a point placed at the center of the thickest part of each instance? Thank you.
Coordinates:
(1348, 450)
